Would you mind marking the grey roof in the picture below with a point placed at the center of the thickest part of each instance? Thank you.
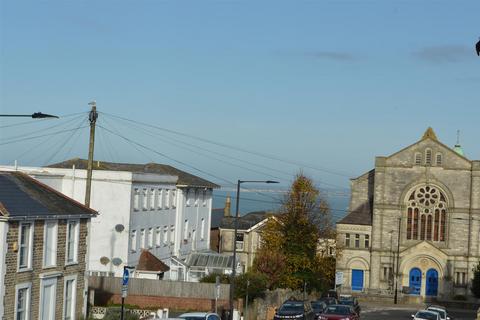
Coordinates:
(209, 260)
(245, 222)
(21, 195)
(184, 178)
(361, 215)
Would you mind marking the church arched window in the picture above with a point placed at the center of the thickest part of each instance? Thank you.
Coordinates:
(426, 214)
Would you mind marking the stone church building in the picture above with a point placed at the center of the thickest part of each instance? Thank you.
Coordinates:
(416, 218)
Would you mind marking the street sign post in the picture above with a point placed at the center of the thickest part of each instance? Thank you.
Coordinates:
(125, 278)
(338, 278)
(217, 291)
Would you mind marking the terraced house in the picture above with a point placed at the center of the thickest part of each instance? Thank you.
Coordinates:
(415, 220)
(43, 236)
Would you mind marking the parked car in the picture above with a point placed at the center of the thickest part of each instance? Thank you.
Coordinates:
(348, 300)
(199, 316)
(442, 311)
(339, 312)
(329, 300)
(318, 307)
(295, 309)
(426, 315)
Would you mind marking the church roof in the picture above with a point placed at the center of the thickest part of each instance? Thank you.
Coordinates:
(429, 133)
(361, 215)
(148, 262)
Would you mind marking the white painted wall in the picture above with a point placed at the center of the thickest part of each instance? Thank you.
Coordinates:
(3, 266)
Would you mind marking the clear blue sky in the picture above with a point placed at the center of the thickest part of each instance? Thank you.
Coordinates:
(328, 83)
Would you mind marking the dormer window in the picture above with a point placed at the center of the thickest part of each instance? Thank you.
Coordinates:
(439, 159)
(428, 157)
(418, 158)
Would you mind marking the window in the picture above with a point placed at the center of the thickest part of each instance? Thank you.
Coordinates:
(185, 230)
(460, 278)
(172, 234)
(439, 159)
(150, 237)
(136, 199)
(426, 214)
(167, 199)
(158, 237)
(69, 291)
(48, 298)
(160, 199)
(72, 241)
(418, 158)
(50, 244)
(196, 198)
(165, 235)
(22, 301)
(189, 197)
(144, 199)
(174, 198)
(347, 240)
(25, 245)
(133, 241)
(239, 241)
(152, 199)
(367, 241)
(142, 239)
(202, 229)
(204, 198)
(387, 273)
(357, 241)
(428, 157)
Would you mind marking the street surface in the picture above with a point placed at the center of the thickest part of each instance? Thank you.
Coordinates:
(390, 312)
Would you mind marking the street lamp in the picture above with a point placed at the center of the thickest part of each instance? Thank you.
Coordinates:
(36, 115)
(234, 267)
(395, 298)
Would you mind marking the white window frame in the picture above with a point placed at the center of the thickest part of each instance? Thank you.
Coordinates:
(204, 198)
(174, 198)
(197, 197)
(150, 238)
(172, 234)
(240, 245)
(165, 235)
(136, 199)
(428, 157)
(18, 287)
(44, 281)
(29, 246)
(144, 199)
(188, 195)
(438, 159)
(158, 236)
(75, 241)
(54, 243)
(418, 159)
(202, 229)
(133, 241)
(167, 199)
(152, 199)
(142, 238)
(74, 296)
(160, 199)
(185, 230)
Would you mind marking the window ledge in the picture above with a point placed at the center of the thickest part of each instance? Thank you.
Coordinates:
(49, 267)
(24, 269)
(52, 274)
(73, 263)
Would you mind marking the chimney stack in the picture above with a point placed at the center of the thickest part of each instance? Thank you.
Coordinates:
(226, 210)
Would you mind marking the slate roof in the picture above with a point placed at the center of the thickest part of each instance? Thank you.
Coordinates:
(184, 178)
(361, 215)
(148, 262)
(245, 222)
(21, 195)
(209, 260)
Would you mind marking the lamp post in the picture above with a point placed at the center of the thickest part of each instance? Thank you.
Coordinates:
(395, 297)
(36, 115)
(234, 265)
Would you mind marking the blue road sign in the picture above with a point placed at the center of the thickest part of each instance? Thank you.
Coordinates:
(126, 276)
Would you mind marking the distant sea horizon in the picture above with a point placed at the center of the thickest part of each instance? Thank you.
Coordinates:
(271, 200)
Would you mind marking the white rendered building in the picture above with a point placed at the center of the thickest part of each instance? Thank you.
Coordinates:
(150, 207)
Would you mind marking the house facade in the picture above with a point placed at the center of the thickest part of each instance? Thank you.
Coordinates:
(43, 254)
(150, 207)
(415, 219)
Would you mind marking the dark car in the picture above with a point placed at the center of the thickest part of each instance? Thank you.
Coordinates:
(295, 309)
(329, 300)
(318, 307)
(350, 301)
(339, 312)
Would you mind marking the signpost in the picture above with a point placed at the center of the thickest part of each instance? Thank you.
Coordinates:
(217, 291)
(338, 278)
(125, 278)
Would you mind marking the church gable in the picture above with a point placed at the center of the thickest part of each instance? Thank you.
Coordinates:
(428, 152)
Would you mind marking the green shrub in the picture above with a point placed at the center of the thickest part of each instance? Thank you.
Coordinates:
(211, 278)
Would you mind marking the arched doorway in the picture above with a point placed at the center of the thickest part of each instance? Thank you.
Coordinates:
(415, 282)
(432, 282)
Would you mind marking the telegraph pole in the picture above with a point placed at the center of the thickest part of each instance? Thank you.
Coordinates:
(395, 299)
(92, 117)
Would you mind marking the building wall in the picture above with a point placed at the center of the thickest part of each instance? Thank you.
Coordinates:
(12, 277)
(3, 266)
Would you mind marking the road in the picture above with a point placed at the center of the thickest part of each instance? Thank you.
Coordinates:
(405, 312)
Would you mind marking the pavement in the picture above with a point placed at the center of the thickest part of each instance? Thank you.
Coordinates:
(402, 312)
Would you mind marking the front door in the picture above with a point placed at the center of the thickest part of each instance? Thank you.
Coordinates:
(48, 299)
(357, 280)
(432, 282)
(415, 281)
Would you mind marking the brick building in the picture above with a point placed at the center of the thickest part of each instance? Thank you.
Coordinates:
(413, 219)
(43, 237)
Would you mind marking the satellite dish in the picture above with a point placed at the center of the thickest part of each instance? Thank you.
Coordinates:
(119, 227)
(117, 261)
(104, 260)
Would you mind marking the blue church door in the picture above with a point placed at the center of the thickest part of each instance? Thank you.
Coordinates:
(357, 280)
(432, 282)
(415, 281)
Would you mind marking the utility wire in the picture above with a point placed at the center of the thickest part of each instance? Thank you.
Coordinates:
(264, 155)
(37, 121)
(40, 136)
(65, 141)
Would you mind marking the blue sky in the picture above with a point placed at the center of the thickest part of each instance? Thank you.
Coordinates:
(330, 84)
